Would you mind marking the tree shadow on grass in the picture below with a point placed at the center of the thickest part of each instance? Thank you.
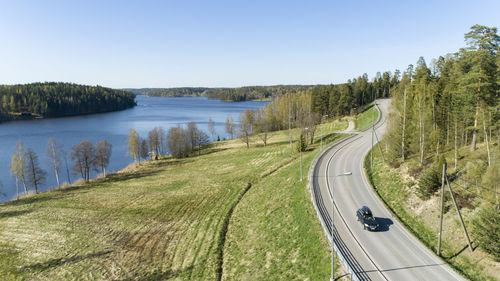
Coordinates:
(36, 198)
(207, 151)
(61, 261)
(367, 107)
(9, 214)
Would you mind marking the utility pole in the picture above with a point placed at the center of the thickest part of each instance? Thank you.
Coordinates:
(300, 149)
(290, 118)
(441, 216)
(404, 127)
(380, 148)
(459, 215)
(373, 130)
(322, 132)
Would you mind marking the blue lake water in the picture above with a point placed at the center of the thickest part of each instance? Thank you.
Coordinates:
(150, 112)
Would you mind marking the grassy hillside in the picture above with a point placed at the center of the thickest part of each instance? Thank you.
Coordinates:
(397, 188)
(366, 118)
(190, 219)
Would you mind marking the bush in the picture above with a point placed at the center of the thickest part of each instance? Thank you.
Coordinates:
(486, 230)
(428, 184)
(302, 143)
(430, 181)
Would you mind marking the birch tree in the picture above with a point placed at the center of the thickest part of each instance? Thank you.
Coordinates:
(154, 141)
(143, 150)
(53, 152)
(102, 156)
(246, 120)
(201, 138)
(35, 176)
(134, 145)
(211, 127)
(84, 156)
(229, 126)
(17, 167)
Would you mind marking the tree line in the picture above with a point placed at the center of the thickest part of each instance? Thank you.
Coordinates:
(224, 94)
(53, 99)
(26, 170)
(170, 92)
(179, 142)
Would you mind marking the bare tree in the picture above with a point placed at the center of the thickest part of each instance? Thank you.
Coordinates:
(191, 134)
(162, 137)
(144, 151)
(134, 145)
(154, 142)
(177, 142)
(67, 166)
(53, 152)
(84, 155)
(102, 156)
(34, 174)
(201, 139)
(229, 126)
(311, 122)
(246, 120)
(263, 127)
(211, 127)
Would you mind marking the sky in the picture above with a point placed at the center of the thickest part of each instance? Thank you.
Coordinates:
(142, 44)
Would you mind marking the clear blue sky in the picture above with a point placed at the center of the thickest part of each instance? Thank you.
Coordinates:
(226, 43)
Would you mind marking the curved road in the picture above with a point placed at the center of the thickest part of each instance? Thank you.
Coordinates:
(391, 253)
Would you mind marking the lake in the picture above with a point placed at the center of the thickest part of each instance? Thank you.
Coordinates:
(150, 112)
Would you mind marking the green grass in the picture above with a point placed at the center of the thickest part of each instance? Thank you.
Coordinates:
(397, 195)
(366, 118)
(171, 219)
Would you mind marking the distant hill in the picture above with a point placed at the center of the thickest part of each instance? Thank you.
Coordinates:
(169, 92)
(224, 94)
(53, 99)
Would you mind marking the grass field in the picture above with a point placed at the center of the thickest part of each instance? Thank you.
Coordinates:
(422, 219)
(231, 213)
(366, 118)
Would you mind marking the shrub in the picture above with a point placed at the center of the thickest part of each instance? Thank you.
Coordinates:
(302, 143)
(430, 181)
(486, 230)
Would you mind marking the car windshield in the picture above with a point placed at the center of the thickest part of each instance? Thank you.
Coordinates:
(369, 218)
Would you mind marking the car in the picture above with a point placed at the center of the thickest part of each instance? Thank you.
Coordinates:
(366, 218)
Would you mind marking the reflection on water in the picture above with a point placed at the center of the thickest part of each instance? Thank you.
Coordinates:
(113, 127)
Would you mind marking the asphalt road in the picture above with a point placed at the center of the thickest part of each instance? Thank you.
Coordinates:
(391, 253)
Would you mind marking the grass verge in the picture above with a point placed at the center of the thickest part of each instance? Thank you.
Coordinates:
(366, 118)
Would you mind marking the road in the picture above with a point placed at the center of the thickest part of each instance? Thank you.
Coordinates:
(391, 253)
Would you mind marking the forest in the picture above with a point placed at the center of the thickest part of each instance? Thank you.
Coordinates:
(51, 99)
(169, 92)
(448, 114)
(224, 94)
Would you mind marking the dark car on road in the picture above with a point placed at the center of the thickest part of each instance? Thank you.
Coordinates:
(366, 218)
